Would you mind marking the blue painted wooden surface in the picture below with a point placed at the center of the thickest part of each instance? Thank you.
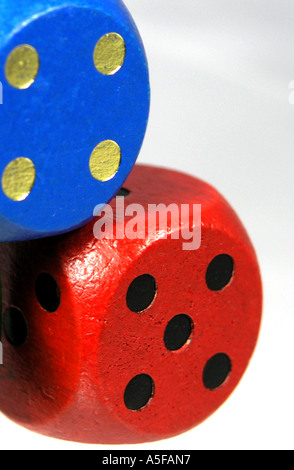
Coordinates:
(68, 111)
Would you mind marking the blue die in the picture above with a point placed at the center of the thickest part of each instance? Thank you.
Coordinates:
(74, 114)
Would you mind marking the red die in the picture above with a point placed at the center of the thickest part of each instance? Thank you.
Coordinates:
(130, 340)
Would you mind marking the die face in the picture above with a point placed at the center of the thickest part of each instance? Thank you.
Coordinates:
(41, 335)
(155, 338)
(74, 133)
(209, 326)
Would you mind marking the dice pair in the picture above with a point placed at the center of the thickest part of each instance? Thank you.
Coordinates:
(111, 336)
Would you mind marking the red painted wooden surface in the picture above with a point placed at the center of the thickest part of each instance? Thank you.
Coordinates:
(69, 377)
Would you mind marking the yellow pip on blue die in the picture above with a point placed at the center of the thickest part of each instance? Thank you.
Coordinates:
(74, 114)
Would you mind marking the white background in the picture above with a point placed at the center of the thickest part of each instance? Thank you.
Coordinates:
(221, 110)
